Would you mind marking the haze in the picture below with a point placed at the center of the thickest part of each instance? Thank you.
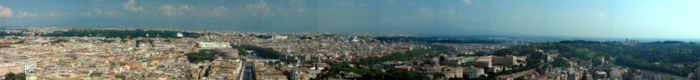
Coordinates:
(575, 18)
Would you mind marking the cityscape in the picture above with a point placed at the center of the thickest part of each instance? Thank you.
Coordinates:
(348, 40)
(97, 54)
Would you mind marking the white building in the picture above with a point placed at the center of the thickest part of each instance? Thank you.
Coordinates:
(353, 39)
(213, 45)
(279, 37)
(474, 72)
(179, 35)
(29, 67)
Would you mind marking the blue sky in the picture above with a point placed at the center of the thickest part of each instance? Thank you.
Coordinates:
(574, 18)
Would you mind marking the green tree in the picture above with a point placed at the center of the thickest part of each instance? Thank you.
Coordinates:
(438, 75)
(13, 76)
(10, 76)
(203, 55)
(21, 76)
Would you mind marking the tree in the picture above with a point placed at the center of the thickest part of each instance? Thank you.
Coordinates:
(203, 55)
(660, 56)
(10, 76)
(13, 76)
(21, 76)
(438, 75)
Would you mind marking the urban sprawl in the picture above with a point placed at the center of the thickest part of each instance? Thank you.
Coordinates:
(152, 54)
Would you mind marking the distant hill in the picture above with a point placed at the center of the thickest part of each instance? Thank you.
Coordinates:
(675, 57)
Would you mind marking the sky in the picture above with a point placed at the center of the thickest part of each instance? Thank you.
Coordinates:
(571, 18)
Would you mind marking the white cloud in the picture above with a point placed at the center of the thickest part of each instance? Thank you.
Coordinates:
(468, 2)
(218, 11)
(599, 14)
(5, 12)
(54, 14)
(86, 14)
(169, 10)
(347, 4)
(452, 14)
(21, 14)
(258, 8)
(131, 6)
(425, 11)
(186, 7)
(352, 4)
(261, 8)
(298, 3)
(113, 13)
(95, 12)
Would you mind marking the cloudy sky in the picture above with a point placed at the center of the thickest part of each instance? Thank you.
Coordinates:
(576, 18)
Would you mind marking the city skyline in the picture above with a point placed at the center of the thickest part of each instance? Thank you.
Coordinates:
(349, 40)
(590, 18)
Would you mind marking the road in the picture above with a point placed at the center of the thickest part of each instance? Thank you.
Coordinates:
(248, 72)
